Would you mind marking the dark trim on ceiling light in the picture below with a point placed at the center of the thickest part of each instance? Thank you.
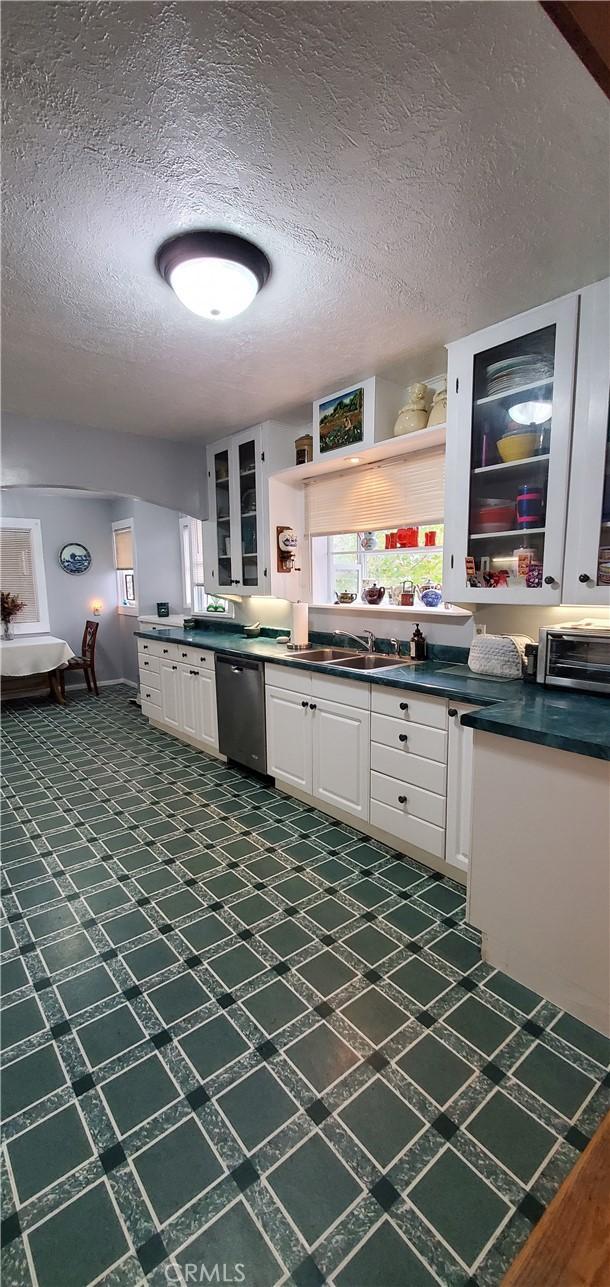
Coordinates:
(203, 243)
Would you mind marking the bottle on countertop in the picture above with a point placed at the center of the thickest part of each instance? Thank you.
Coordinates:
(417, 645)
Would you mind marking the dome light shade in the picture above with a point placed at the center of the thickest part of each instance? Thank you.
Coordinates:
(214, 274)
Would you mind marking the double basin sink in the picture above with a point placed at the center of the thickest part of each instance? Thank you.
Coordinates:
(348, 659)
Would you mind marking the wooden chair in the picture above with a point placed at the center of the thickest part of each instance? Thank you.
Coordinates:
(86, 662)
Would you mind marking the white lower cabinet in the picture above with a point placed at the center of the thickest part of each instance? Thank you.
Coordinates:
(321, 747)
(170, 693)
(341, 757)
(459, 787)
(177, 692)
(289, 740)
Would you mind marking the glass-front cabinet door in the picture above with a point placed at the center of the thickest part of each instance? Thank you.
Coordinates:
(237, 506)
(587, 556)
(508, 445)
(221, 498)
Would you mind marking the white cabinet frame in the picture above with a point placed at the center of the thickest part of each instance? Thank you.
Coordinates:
(563, 314)
(589, 450)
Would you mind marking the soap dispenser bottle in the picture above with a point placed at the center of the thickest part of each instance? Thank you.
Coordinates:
(417, 645)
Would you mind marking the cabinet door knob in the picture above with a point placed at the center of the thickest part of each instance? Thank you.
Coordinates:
(404, 706)
(402, 737)
(452, 712)
(184, 654)
(402, 799)
(174, 667)
(147, 663)
(549, 580)
(584, 577)
(305, 705)
(312, 706)
(166, 650)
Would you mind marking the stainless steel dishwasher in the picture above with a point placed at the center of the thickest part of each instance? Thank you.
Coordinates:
(240, 697)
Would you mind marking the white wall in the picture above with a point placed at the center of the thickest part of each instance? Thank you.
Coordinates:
(38, 453)
(456, 633)
(64, 519)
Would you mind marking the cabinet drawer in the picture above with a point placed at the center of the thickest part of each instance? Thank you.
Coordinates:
(151, 697)
(296, 681)
(345, 691)
(190, 656)
(150, 665)
(418, 804)
(158, 648)
(405, 767)
(410, 830)
(149, 680)
(409, 707)
(414, 738)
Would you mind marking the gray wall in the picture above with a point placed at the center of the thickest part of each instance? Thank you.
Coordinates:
(158, 568)
(64, 519)
(38, 453)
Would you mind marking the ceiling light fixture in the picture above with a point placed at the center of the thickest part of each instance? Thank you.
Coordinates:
(214, 274)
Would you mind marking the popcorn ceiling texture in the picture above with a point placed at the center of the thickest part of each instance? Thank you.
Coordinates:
(414, 171)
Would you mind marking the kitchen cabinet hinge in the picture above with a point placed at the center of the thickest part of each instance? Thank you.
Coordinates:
(457, 384)
(452, 561)
(262, 455)
(264, 571)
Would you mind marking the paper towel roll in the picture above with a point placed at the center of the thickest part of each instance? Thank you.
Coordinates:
(299, 633)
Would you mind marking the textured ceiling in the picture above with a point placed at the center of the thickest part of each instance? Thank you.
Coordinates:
(414, 171)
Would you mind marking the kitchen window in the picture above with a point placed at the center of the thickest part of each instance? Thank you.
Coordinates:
(23, 573)
(124, 562)
(352, 561)
(196, 600)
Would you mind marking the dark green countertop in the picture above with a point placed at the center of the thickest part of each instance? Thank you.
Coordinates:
(576, 722)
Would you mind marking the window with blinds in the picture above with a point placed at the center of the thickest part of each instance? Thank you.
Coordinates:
(398, 491)
(123, 548)
(22, 572)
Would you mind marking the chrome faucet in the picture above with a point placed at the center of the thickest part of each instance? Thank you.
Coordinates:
(366, 639)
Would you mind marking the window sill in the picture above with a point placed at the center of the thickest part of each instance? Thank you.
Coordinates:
(127, 612)
(417, 612)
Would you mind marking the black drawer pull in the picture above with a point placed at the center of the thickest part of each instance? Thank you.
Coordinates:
(404, 706)
(184, 654)
(305, 704)
(174, 667)
(452, 712)
(147, 663)
(402, 799)
(145, 647)
(584, 577)
(402, 737)
(166, 650)
(312, 706)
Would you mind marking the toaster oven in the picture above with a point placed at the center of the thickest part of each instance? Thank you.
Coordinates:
(575, 657)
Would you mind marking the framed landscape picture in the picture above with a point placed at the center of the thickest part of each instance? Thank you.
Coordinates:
(341, 421)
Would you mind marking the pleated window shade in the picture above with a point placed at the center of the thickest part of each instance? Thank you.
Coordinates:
(18, 576)
(405, 489)
(123, 549)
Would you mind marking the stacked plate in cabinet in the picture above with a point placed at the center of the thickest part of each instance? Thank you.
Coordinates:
(513, 373)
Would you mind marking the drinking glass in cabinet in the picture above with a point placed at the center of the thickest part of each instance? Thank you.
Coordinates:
(511, 432)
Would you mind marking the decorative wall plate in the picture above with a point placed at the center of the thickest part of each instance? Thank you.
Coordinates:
(75, 558)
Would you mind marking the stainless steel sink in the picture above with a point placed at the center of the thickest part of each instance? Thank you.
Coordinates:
(371, 661)
(323, 654)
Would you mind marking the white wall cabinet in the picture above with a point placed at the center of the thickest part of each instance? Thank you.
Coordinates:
(238, 549)
(509, 422)
(587, 556)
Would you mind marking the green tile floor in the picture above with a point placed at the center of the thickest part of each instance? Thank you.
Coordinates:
(235, 1033)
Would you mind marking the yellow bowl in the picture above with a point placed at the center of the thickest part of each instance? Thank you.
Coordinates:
(517, 446)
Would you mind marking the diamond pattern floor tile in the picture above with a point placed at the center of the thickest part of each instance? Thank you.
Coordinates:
(236, 1032)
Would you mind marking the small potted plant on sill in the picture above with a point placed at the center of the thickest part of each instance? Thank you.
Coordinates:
(10, 605)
